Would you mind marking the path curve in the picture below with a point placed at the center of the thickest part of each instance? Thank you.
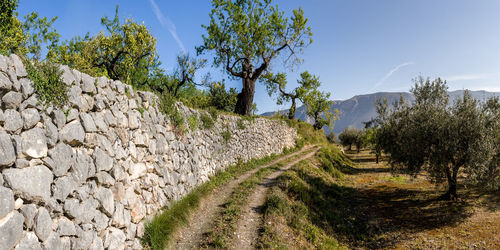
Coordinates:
(201, 220)
(247, 228)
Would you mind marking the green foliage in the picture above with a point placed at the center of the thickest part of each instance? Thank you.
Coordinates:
(126, 52)
(439, 139)
(306, 133)
(141, 110)
(214, 113)
(331, 137)
(318, 107)
(207, 120)
(269, 34)
(168, 107)
(352, 136)
(276, 82)
(46, 78)
(240, 123)
(193, 122)
(220, 98)
(226, 135)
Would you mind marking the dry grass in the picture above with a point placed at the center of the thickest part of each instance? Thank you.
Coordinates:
(404, 212)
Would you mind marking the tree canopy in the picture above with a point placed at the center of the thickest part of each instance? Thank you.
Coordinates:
(318, 105)
(441, 139)
(277, 84)
(246, 35)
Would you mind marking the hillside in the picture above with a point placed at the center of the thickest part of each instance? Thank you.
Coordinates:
(361, 108)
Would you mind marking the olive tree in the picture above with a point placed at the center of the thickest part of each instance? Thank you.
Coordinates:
(277, 82)
(318, 105)
(247, 35)
(430, 135)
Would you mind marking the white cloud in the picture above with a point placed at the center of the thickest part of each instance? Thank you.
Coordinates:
(389, 74)
(168, 24)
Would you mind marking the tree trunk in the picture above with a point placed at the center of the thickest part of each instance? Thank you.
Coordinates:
(452, 186)
(291, 112)
(245, 98)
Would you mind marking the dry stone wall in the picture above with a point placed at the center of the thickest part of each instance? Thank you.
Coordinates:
(86, 176)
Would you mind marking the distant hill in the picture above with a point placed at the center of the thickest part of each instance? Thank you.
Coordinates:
(361, 108)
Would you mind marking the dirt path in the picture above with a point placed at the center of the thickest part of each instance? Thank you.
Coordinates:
(200, 223)
(246, 232)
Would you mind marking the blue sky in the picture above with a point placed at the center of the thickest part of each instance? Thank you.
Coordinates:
(359, 46)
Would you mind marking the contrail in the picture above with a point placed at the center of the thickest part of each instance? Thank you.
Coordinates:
(390, 73)
(168, 24)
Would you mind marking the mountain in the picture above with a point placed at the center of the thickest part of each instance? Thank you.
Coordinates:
(361, 108)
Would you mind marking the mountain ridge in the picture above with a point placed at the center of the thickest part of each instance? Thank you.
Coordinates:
(361, 108)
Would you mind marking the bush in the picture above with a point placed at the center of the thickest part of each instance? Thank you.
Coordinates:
(226, 135)
(46, 78)
(331, 137)
(193, 122)
(222, 99)
(208, 121)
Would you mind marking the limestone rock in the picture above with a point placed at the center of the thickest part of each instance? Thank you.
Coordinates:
(115, 239)
(63, 187)
(11, 230)
(58, 117)
(83, 168)
(73, 133)
(88, 123)
(88, 84)
(137, 170)
(29, 242)
(27, 87)
(6, 201)
(105, 179)
(29, 213)
(32, 183)
(7, 153)
(34, 143)
(63, 159)
(18, 65)
(121, 216)
(65, 227)
(103, 161)
(67, 76)
(5, 83)
(43, 224)
(13, 120)
(105, 197)
(51, 133)
(12, 100)
(30, 117)
(53, 242)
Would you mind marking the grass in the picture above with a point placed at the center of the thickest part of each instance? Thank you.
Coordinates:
(193, 122)
(307, 206)
(226, 135)
(158, 233)
(226, 221)
(207, 121)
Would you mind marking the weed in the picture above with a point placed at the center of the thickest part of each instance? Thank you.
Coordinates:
(141, 110)
(241, 124)
(214, 113)
(47, 81)
(193, 122)
(207, 120)
(226, 135)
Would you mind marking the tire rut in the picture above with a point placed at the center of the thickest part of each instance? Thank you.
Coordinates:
(200, 222)
(247, 228)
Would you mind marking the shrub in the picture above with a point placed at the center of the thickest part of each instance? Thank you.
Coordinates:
(208, 121)
(226, 135)
(47, 82)
(193, 122)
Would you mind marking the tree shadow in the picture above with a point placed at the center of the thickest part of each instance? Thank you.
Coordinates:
(376, 217)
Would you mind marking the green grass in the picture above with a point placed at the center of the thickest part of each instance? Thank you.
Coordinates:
(226, 221)
(207, 121)
(309, 202)
(193, 122)
(226, 135)
(158, 233)
(241, 124)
